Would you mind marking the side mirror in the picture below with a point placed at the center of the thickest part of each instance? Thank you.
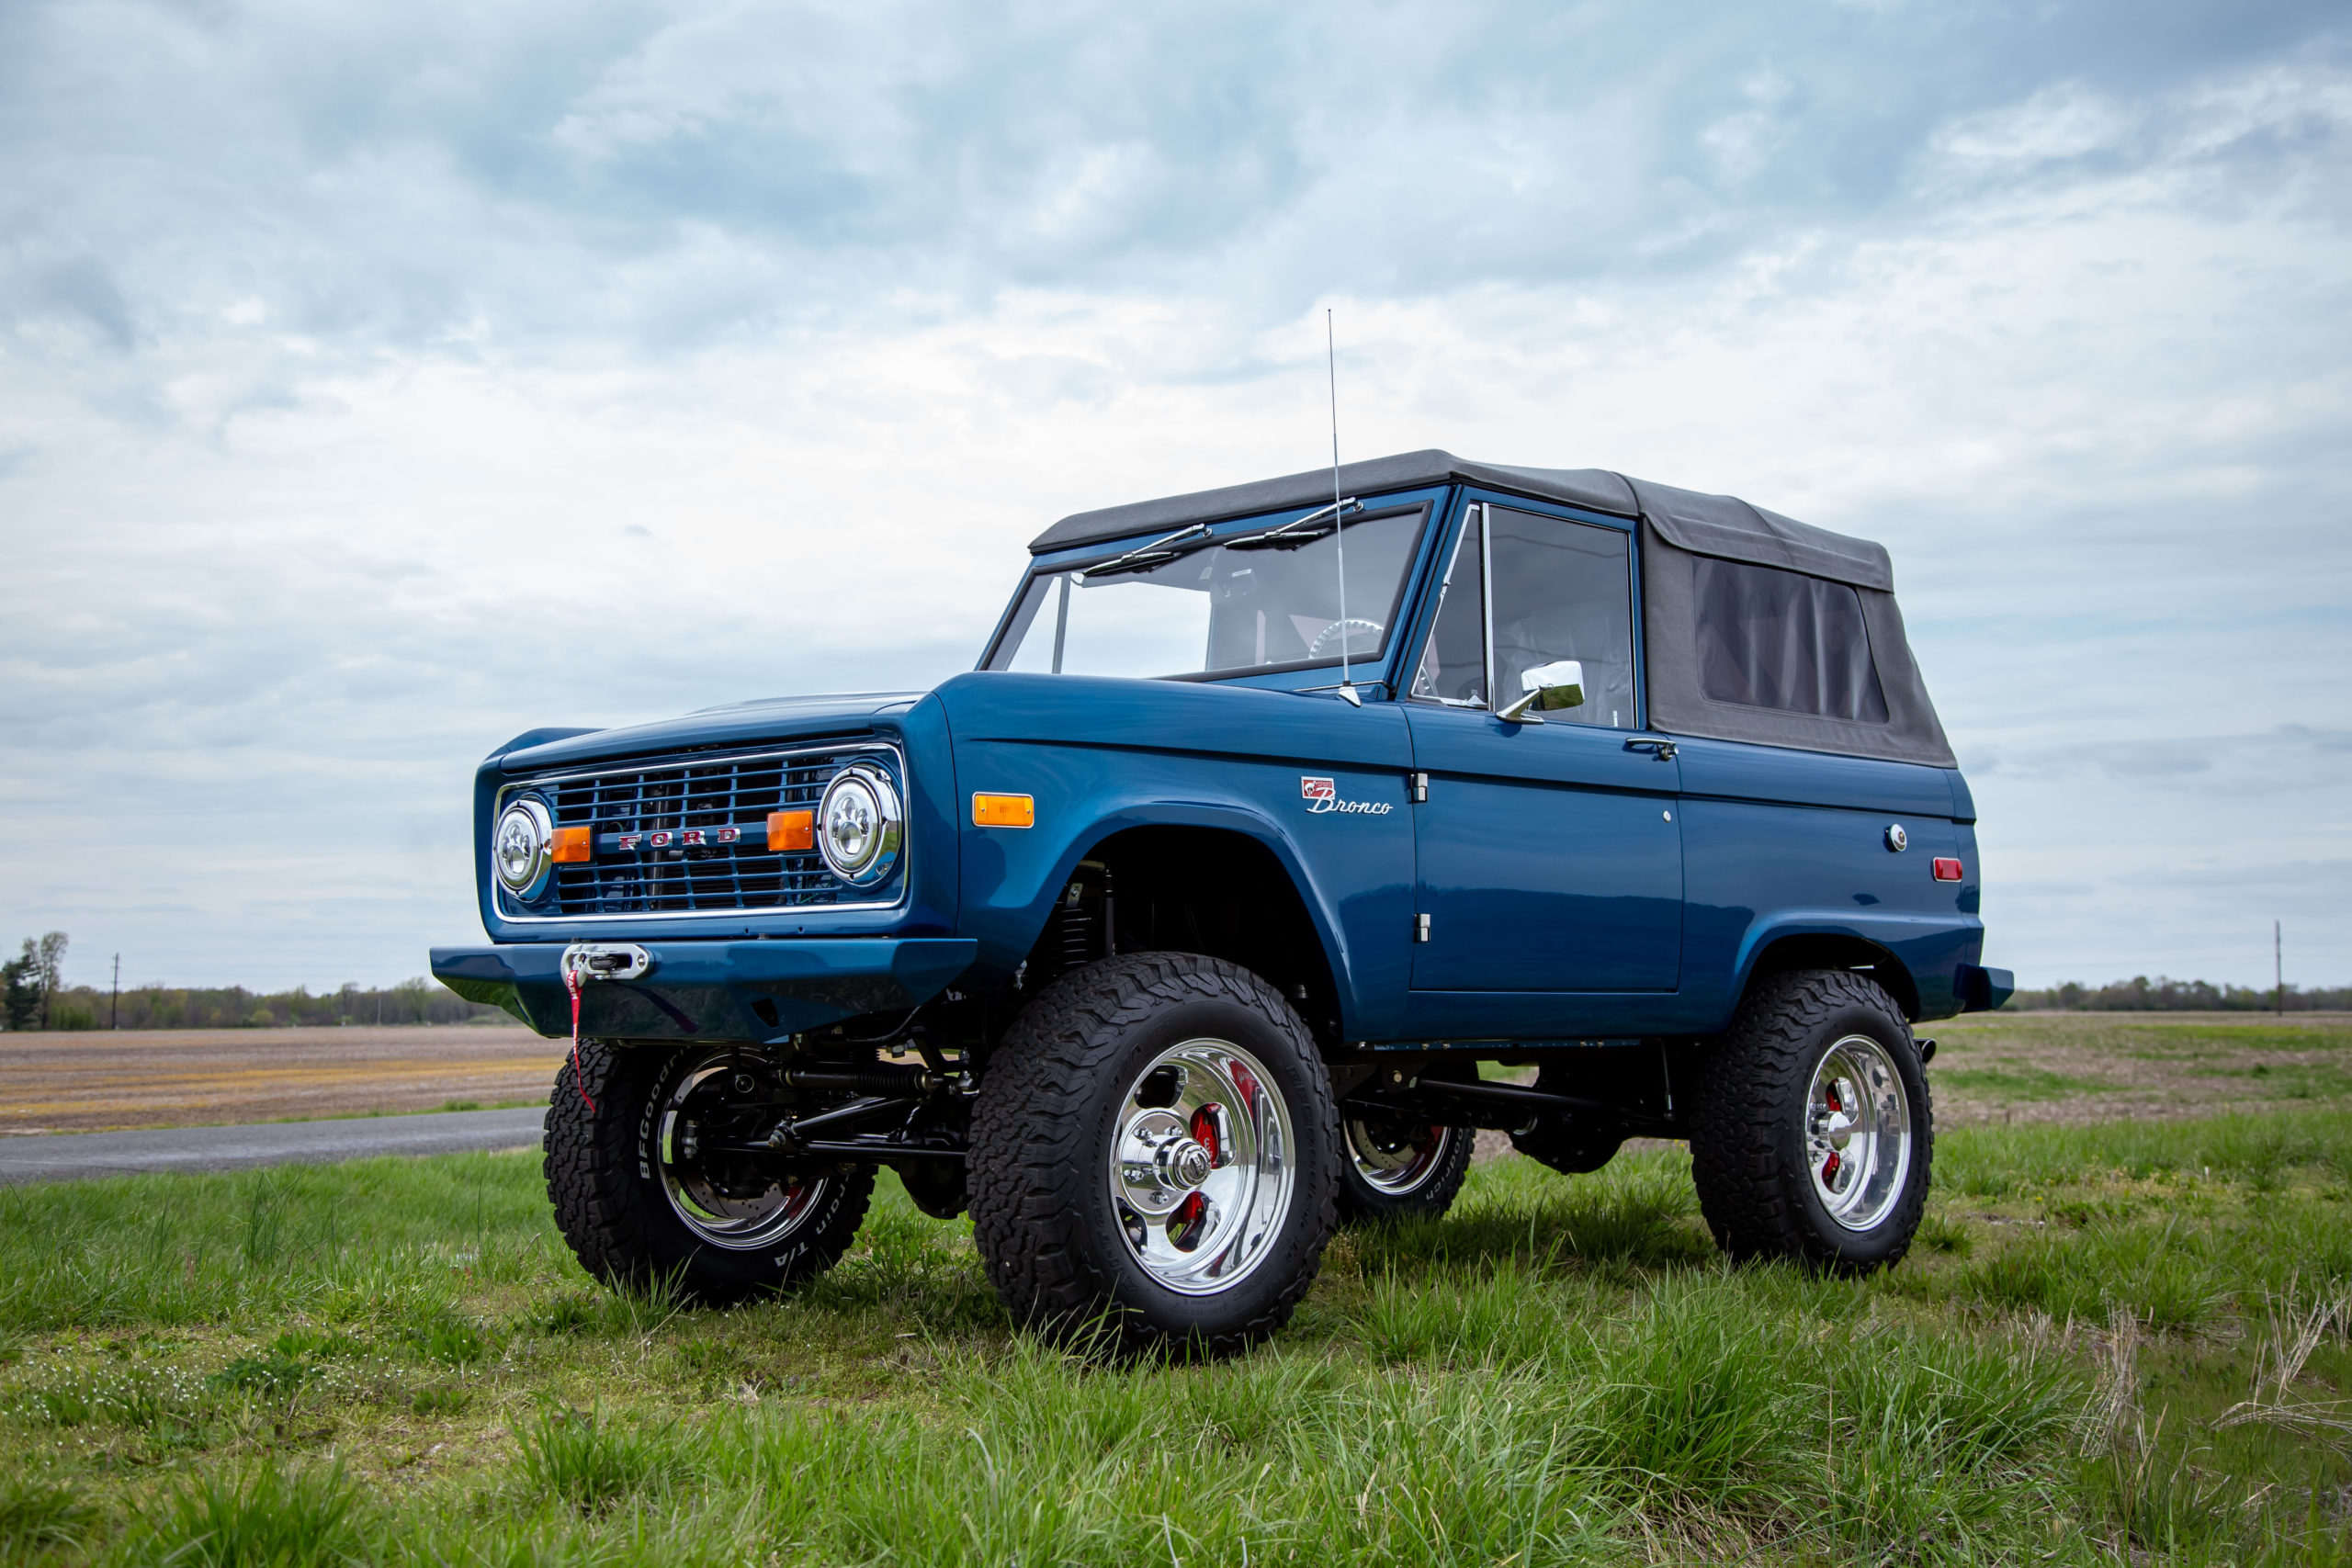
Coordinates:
(1547, 688)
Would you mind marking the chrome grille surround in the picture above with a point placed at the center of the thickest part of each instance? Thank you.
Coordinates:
(678, 796)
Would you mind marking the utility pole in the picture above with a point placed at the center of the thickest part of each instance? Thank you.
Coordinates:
(2278, 968)
(116, 1021)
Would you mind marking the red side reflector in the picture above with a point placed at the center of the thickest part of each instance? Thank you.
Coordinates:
(570, 846)
(1948, 869)
(789, 830)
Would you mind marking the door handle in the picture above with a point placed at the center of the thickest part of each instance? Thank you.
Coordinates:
(1662, 750)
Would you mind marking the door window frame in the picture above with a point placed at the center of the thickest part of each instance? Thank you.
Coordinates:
(1474, 512)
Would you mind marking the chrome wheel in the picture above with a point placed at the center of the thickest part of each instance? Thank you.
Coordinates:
(725, 1199)
(1858, 1133)
(1201, 1168)
(1395, 1156)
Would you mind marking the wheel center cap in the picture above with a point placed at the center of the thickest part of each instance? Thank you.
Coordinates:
(1183, 1163)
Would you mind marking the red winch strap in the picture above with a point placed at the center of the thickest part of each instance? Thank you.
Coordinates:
(571, 984)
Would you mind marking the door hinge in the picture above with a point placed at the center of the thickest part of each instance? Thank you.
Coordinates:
(1418, 784)
(1420, 927)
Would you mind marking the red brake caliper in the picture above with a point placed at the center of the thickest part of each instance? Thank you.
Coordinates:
(1205, 1134)
(571, 984)
(1186, 1221)
(1829, 1166)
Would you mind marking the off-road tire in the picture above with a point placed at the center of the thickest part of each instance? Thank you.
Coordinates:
(612, 1209)
(1362, 1204)
(1042, 1211)
(1747, 1151)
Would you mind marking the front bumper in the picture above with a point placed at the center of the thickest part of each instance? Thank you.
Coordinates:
(711, 990)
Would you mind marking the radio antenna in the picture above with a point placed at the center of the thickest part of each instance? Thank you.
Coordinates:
(1338, 513)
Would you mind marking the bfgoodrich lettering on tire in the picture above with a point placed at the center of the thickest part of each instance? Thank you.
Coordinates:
(641, 1192)
(1811, 1136)
(1155, 1157)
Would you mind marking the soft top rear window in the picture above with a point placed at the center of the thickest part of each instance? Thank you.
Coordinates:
(1770, 639)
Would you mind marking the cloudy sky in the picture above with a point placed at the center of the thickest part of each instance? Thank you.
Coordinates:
(377, 381)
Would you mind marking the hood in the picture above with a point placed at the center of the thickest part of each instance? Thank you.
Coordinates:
(732, 724)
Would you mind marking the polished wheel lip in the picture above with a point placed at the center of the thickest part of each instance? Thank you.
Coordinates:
(1383, 1172)
(1857, 1133)
(1201, 1237)
(732, 1224)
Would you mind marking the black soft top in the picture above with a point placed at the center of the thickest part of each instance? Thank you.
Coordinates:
(1677, 525)
(1720, 525)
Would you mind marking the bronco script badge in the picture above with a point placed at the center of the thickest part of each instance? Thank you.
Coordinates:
(1323, 795)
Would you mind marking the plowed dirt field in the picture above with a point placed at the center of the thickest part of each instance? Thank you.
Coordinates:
(197, 1077)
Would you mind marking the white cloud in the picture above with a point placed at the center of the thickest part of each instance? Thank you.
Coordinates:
(377, 384)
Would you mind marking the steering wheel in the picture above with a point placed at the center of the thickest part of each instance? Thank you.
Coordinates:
(1328, 639)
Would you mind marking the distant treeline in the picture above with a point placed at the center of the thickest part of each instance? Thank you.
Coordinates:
(34, 996)
(167, 1007)
(2140, 994)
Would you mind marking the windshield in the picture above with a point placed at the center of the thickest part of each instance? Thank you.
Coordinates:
(1218, 609)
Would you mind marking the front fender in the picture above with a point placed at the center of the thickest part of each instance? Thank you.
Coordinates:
(1194, 756)
(1022, 902)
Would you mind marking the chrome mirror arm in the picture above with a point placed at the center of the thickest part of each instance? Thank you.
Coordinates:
(1522, 711)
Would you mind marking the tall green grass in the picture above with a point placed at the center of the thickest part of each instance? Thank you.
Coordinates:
(398, 1361)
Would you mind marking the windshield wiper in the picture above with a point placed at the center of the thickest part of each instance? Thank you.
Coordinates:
(1144, 557)
(1299, 531)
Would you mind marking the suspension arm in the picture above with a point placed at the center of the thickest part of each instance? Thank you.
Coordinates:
(1512, 1096)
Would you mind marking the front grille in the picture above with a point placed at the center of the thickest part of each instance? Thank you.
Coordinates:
(622, 804)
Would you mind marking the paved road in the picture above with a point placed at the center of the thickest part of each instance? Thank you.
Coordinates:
(68, 1157)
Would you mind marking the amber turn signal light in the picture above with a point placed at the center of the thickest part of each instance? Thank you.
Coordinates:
(570, 846)
(789, 830)
(1004, 811)
(1948, 869)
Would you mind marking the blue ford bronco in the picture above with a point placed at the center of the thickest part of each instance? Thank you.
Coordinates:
(1175, 933)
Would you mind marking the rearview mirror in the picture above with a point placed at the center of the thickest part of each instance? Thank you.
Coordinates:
(1547, 688)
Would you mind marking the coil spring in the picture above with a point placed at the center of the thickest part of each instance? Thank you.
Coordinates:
(1078, 938)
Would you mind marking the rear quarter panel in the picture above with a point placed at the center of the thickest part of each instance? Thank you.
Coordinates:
(1780, 842)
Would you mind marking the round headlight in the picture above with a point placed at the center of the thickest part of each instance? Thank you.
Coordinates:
(519, 848)
(859, 824)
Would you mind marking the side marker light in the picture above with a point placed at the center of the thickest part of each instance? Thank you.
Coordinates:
(1004, 811)
(570, 846)
(790, 830)
(1948, 869)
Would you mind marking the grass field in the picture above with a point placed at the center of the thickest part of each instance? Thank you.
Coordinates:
(2093, 1066)
(102, 1081)
(2119, 1342)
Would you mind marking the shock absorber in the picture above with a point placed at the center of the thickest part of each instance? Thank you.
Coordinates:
(876, 1078)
